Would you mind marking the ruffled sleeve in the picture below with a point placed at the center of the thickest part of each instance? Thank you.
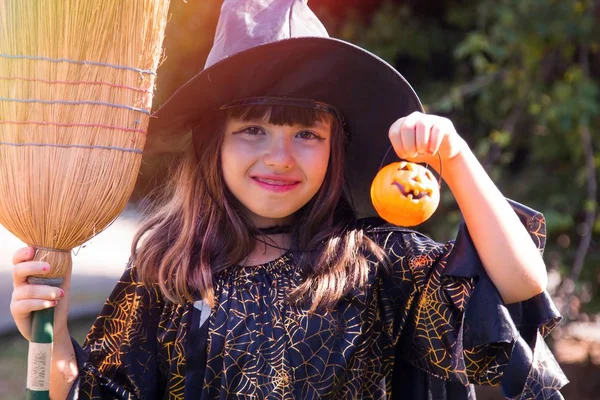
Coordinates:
(454, 325)
(118, 358)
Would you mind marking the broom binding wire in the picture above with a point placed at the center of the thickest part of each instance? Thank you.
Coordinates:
(66, 60)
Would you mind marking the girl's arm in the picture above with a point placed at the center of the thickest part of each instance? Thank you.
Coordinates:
(506, 250)
(64, 366)
(508, 254)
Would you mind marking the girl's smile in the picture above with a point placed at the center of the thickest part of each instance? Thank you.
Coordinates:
(276, 183)
(274, 170)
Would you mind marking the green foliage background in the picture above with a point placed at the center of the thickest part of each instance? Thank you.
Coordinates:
(520, 80)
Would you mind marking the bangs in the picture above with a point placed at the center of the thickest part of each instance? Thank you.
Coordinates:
(279, 114)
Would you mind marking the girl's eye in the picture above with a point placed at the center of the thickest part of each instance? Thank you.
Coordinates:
(308, 135)
(252, 131)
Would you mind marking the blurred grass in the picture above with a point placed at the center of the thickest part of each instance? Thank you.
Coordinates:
(13, 359)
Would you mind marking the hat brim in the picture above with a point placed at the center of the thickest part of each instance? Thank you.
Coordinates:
(369, 92)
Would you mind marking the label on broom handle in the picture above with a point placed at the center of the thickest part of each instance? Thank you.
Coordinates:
(38, 366)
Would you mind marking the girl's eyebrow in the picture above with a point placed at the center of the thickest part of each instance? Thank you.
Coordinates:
(315, 125)
(319, 125)
(251, 120)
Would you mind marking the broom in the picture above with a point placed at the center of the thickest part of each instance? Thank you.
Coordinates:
(76, 86)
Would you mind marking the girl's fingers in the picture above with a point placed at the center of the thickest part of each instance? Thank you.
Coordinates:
(408, 134)
(39, 292)
(23, 270)
(395, 139)
(22, 308)
(409, 141)
(422, 135)
(24, 254)
(419, 136)
(435, 140)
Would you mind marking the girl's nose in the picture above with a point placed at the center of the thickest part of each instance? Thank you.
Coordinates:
(280, 154)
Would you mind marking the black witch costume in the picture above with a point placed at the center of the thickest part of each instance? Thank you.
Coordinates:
(427, 327)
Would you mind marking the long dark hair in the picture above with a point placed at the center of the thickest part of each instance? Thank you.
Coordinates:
(200, 229)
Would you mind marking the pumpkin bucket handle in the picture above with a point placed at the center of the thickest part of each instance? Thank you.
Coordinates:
(427, 167)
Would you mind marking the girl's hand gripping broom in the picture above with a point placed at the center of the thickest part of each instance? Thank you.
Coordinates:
(76, 85)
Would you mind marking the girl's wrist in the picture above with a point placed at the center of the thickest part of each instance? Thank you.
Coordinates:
(62, 337)
(445, 166)
(453, 169)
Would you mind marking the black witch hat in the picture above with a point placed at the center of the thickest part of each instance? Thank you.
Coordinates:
(279, 49)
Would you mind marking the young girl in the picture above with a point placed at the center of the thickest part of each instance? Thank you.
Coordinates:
(257, 279)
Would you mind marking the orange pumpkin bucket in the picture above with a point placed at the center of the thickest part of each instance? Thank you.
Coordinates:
(405, 193)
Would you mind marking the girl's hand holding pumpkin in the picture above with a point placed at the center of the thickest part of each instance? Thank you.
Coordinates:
(405, 193)
(420, 138)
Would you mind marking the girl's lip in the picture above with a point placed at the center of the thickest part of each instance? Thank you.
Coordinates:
(276, 184)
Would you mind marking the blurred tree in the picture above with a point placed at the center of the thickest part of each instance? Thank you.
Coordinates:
(544, 103)
(520, 79)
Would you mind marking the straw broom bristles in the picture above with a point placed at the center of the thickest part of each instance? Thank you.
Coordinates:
(59, 197)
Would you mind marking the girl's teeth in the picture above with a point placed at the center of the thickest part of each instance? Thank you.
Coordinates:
(272, 182)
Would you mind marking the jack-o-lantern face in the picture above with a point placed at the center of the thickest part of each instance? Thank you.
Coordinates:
(405, 193)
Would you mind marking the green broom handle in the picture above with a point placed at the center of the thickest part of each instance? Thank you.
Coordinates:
(39, 360)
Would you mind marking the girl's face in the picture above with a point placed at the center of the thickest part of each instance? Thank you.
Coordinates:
(274, 170)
